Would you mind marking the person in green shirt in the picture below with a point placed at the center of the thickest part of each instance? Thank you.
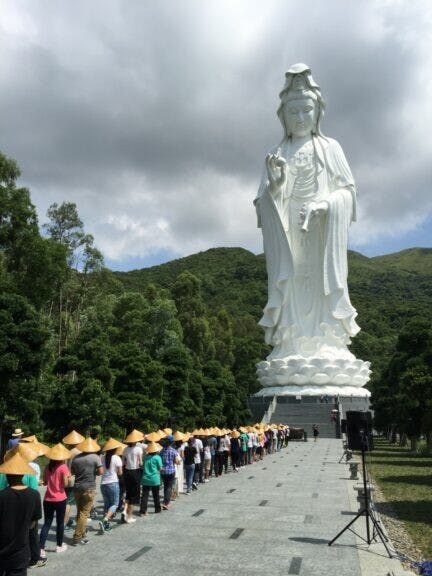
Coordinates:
(151, 478)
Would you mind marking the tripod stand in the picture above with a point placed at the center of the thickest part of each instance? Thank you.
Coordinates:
(366, 512)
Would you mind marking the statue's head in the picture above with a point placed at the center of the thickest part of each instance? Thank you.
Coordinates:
(301, 96)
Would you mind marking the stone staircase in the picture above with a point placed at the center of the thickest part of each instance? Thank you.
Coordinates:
(305, 415)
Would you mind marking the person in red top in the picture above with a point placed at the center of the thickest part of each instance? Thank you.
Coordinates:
(56, 478)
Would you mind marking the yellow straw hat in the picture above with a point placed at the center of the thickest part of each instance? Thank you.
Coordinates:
(235, 434)
(41, 449)
(89, 445)
(178, 436)
(119, 451)
(26, 451)
(153, 437)
(112, 444)
(134, 436)
(29, 439)
(59, 452)
(161, 434)
(73, 438)
(167, 431)
(16, 465)
(153, 447)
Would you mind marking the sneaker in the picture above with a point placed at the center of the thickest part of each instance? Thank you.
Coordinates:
(188, 492)
(205, 481)
(165, 507)
(101, 527)
(107, 526)
(131, 520)
(61, 548)
(123, 518)
(41, 562)
(82, 542)
(69, 523)
(42, 553)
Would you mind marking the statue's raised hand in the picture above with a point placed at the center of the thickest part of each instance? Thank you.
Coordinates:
(310, 210)
(276, 170)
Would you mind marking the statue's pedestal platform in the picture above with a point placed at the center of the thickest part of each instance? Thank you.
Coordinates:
(307, 390)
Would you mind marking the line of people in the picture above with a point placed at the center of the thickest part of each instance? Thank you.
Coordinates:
(129, 471)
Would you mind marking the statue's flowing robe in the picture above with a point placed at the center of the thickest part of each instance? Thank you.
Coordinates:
(289, 316)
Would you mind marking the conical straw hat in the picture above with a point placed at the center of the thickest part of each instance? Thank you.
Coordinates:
(41, 449)
(73, 438)
(167, 431)
(161, 433)
(26, 451)
(153, 447)
(16, 465)
(235, 434)
(119, 451)
(112, 444)
(153, 437)
(59, 452)
(88, 445)
(134, 436)
(178, 436)
(29, 439)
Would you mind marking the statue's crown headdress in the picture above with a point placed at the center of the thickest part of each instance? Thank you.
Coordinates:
(299, 83)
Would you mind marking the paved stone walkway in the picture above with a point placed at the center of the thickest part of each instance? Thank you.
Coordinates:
(272, 518)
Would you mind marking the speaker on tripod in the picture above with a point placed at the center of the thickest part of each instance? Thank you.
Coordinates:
(359, 430)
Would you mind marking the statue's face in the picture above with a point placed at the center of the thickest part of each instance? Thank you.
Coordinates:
(300, 116)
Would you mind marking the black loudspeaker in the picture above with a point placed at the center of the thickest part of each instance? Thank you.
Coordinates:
(359, 430)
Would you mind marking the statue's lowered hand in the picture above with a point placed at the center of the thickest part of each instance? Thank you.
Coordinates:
(310, 210)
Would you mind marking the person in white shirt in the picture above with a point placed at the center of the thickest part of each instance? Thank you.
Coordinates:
(112, 469)
(199, 449)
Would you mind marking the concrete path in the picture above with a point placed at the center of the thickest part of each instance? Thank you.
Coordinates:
(272, 518)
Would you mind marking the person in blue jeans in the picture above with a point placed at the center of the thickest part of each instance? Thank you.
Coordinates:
(170, 457)
(110, 488)
(189, 454)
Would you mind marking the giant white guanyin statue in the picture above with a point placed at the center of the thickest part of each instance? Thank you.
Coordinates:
(305, 205)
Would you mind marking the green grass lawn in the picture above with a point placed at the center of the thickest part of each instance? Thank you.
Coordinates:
(406, 481)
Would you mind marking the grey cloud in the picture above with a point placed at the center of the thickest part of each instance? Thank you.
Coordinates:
(160, 95)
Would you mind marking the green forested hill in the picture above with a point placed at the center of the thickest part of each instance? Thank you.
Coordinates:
(387, 291)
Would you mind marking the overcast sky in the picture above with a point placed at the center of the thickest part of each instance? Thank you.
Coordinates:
(155, 116)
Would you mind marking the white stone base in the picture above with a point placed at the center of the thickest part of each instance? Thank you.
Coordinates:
(311, 390)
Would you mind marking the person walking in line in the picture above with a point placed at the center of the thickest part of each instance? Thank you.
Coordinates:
(207, 459)
(56, 478)
(235, 450)
(151, 478)
(189, 453)
(244, 439)
(132, 470)
(315, 430)
(112, 470)
(170, 457)
(71, 441)
(198, 459)
(20, 509)
(16, 436)
(85, 466)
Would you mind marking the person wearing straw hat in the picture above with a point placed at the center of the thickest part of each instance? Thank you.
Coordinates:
(56, 477)
(151, 478)
(71, 441)
(16, 436)
(132, 463)
(20, 509)
(170, 457)
(110, 488)
(86, 466)
(189, 453)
